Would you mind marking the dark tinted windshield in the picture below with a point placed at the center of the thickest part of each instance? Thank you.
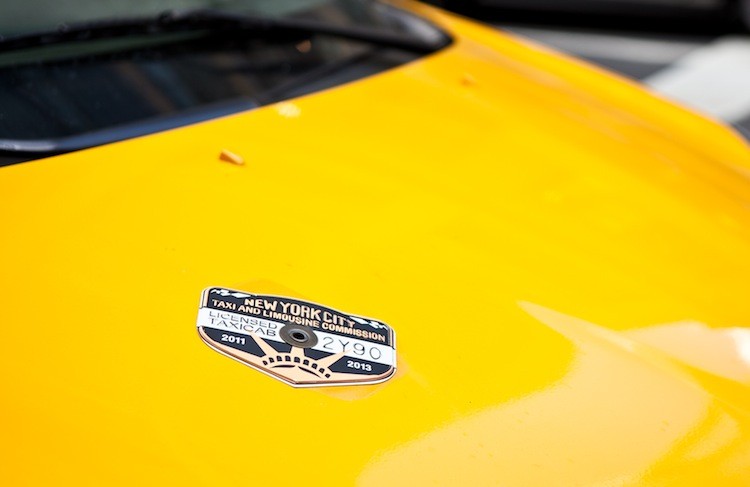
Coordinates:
(64, 95)
(25, 16)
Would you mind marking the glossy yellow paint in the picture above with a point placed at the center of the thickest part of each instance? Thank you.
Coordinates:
(529, 225)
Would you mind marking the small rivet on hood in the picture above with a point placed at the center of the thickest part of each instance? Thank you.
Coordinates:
(228, 156)
(468, 80)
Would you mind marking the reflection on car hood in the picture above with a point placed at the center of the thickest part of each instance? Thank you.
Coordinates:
(515, 216)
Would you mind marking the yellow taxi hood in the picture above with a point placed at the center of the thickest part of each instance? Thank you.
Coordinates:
(563, 257)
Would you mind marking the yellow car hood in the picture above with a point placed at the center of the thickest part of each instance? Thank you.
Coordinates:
(564, 259)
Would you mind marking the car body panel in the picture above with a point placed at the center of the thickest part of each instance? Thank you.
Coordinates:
(531, 227)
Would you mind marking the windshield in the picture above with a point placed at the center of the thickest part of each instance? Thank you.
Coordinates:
(80, 73)
(25, 16)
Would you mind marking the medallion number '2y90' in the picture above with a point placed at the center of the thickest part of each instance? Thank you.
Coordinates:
(298, 342)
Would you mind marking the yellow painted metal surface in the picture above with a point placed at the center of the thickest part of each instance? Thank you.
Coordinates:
(536, 232)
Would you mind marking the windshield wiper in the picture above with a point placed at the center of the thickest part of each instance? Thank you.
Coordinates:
(61, 145)
(215, 20)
